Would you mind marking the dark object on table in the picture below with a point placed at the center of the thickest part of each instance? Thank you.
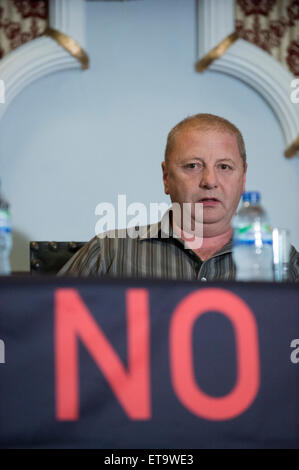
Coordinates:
(48, 257)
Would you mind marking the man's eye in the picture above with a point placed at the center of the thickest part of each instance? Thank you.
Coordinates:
(224, 166)
(192, 165)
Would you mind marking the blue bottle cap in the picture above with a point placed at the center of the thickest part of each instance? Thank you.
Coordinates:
(251, 196)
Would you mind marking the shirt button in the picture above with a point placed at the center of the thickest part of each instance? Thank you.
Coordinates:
(204, 279)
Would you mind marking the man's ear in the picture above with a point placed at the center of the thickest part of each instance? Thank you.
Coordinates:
(165, 177)
(244, 177)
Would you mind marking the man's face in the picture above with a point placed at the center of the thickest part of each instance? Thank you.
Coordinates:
(205, 166)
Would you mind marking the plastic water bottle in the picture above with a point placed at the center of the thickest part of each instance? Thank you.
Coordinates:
(5, 236)
(252, 241)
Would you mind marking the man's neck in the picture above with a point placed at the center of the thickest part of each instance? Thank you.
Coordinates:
(209, 245)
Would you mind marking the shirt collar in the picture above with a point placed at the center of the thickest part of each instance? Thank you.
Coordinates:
(228, 248)
(163, 229)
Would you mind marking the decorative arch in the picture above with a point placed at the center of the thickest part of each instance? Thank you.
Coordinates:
(60, 49)
(221, 50)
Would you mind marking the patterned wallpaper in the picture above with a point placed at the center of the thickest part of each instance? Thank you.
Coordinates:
(272, 25)
(20, 22)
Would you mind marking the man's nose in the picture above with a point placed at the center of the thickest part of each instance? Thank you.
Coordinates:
(208, 179)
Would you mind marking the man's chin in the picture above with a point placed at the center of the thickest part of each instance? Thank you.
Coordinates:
(211, 215)
(210, 220)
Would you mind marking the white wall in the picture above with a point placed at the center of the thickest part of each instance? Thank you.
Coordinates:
(74, 139)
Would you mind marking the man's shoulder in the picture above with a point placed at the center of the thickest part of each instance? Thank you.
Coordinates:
(113, 236)
(294, 264)
(102, 250)
(130, 233)
(294, 254)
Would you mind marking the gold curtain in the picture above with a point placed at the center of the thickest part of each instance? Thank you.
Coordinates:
(20, 22)
(272, 25)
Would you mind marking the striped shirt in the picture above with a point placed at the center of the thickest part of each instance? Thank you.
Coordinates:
(154, 253)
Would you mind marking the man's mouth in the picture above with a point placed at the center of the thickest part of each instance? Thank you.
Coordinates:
(209, 201)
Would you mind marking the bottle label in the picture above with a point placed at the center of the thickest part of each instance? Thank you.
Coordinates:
(253, 234)
(5, 221)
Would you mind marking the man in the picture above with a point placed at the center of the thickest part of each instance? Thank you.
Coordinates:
(205, 162)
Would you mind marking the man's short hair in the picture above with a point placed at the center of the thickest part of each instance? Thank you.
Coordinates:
(205, 122)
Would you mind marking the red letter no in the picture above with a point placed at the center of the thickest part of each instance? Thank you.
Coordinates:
(245, 390)
(73, 321)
